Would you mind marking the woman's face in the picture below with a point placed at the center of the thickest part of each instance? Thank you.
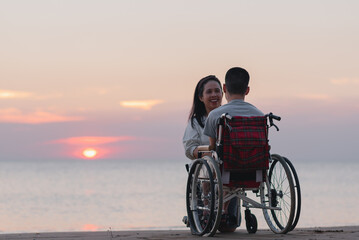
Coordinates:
(212, 96)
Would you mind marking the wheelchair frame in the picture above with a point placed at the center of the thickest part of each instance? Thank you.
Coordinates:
(278, 191)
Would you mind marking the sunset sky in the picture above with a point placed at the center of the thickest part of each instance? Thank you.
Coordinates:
(118, 76)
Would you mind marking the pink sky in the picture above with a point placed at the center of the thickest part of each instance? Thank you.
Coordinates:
(117, 69)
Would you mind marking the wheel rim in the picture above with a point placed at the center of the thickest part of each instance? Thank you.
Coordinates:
(283, 196)
(218, 196)
(298, 197)
(204, 218)
(199, 197)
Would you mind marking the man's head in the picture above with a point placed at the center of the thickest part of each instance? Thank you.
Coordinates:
(236, 81)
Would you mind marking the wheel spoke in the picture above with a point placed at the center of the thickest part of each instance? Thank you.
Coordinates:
(282, 189)
(204, 197)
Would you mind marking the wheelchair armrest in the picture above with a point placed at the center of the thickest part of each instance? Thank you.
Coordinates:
(203, 148)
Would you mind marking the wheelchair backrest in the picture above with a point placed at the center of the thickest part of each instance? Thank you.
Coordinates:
(243, 143)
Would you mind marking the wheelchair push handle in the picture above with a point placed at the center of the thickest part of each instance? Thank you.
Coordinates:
(271, 116)
(275, 117)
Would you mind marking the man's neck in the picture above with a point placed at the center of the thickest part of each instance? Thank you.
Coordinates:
(231, 97)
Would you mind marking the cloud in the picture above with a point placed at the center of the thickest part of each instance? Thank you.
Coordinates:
(314, 97)
(90, 227)
(99, 145)
(8, 94)
(145, 104)
(94, 140)
(345, 81)
(13, 115)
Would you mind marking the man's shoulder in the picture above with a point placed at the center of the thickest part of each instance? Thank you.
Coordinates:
(254, 108)
(218, 111)
(236, 108)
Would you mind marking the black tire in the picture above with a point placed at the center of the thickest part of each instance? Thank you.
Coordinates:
(218, 195)
(280, 194)
(298, 193)
(200, 202)
(251, 223)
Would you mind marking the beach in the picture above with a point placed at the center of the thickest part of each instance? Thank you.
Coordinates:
(346, 232)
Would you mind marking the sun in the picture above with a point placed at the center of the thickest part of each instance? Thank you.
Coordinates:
(89, 153)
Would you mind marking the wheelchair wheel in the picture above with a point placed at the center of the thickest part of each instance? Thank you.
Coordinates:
(204, 197)
(280, 192)
(297, 193)
(251, 222)
(218, 192)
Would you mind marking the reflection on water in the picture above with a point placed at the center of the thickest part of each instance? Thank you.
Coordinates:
(91, 196)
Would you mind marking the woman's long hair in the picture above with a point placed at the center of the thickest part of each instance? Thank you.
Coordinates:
(198, 110)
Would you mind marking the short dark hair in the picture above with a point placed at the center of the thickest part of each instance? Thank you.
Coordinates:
(198, 110)
(237, 80)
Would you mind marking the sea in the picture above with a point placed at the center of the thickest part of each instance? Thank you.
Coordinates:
(79, 195)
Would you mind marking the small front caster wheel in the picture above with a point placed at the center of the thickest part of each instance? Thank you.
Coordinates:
(251, 222)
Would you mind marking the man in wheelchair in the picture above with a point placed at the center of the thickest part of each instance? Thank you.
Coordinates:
(235, 89)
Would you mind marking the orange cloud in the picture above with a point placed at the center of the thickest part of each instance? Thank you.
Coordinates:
(90, 227)
(93, 140)
(345, 81)
(145, 105)
(13, 115)
(77, 146)
(7, 94)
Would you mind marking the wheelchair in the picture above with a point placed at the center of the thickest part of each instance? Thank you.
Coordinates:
(241, 163)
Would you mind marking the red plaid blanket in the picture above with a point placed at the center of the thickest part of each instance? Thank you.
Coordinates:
(245, 144)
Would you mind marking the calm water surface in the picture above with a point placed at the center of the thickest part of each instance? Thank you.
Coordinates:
(122, 195)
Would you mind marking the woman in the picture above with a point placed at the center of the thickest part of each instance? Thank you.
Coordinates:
(207, 96)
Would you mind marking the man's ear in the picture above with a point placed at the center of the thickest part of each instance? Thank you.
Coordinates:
(247, 91)
(224, 88)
